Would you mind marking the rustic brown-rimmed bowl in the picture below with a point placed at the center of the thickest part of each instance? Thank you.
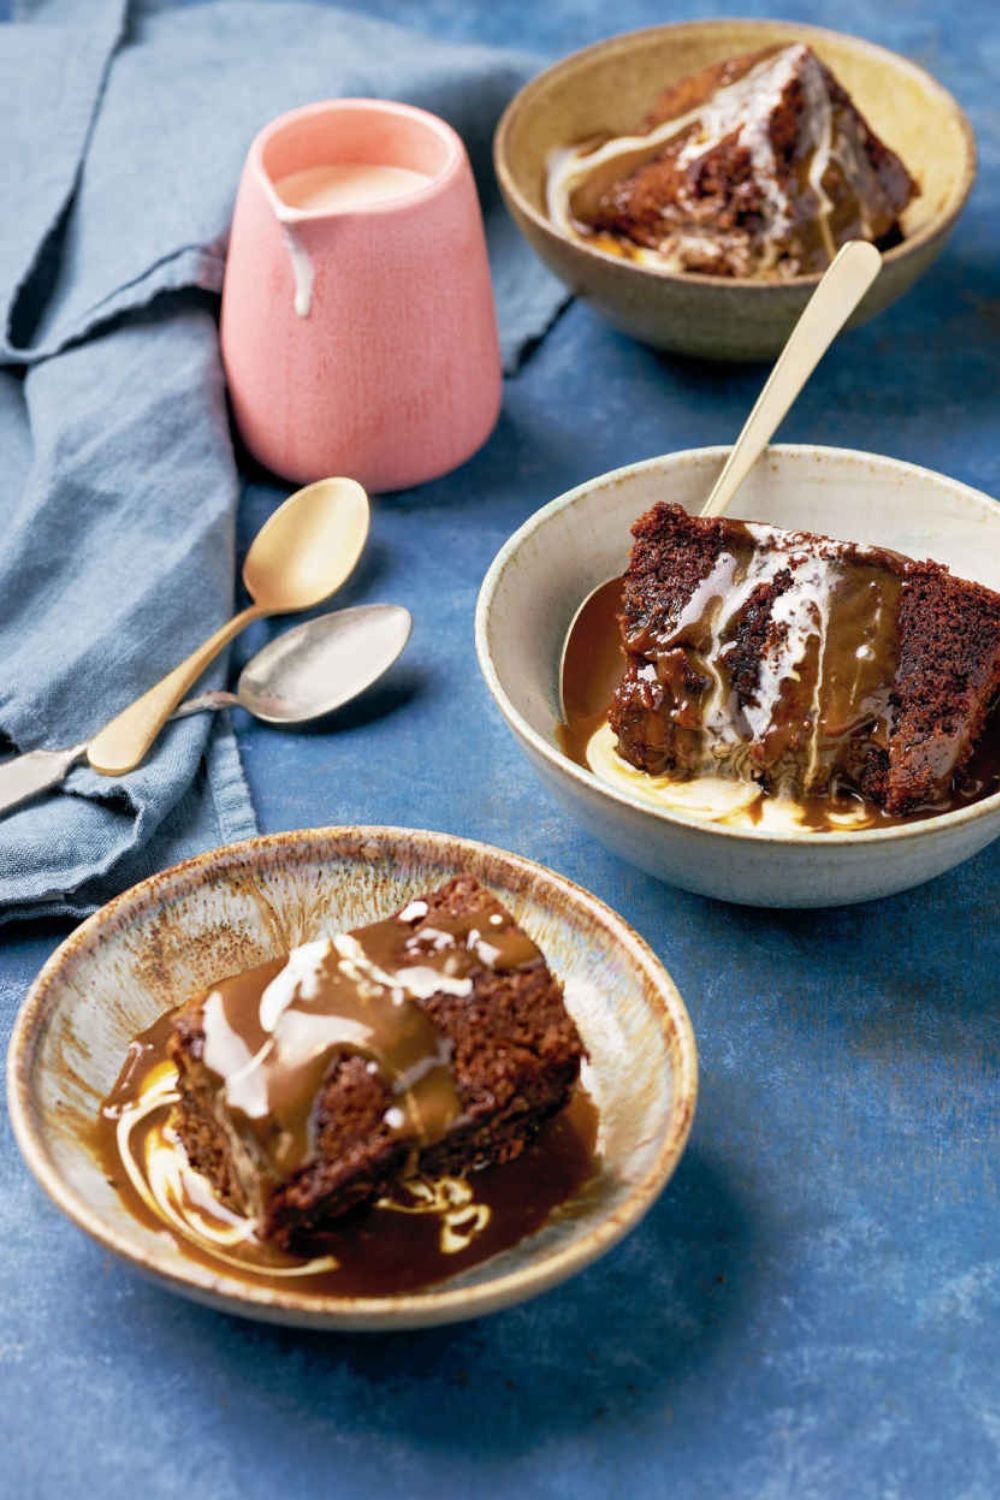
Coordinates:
(608, 87)
(542, 574)
(237, 906)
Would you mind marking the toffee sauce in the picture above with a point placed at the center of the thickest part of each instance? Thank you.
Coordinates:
(380, 1251)
(595, 664)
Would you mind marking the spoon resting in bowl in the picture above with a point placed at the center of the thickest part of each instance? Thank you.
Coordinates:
(850, 275)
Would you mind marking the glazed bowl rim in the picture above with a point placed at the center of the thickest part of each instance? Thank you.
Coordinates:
(921, 828)
(435, 1305)
(938, 224)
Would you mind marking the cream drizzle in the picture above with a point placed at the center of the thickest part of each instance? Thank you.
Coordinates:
(182, 1198)
(725, 113)
(803, 609)
(186, 1203)
(412, 981)
(722, 800)
(303, 273)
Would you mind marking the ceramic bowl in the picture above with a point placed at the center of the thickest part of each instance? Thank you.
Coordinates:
(235, 907)
(608, 87)
(549, 566)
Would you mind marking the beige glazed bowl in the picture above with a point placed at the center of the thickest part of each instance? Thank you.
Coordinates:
(610, 86)
(546, 569)
(238, 906)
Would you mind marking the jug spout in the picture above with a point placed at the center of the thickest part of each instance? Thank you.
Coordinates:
(345, 157)
(351, 156)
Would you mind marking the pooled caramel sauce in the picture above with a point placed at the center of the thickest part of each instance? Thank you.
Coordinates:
(428, 1229)
(593, 667)
(829, 679)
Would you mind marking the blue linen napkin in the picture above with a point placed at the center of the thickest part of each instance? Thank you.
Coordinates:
(123, 130)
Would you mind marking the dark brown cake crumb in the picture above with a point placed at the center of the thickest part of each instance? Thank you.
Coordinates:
(930, 642)
(947, 681)
(773, 190)
(515, 1056)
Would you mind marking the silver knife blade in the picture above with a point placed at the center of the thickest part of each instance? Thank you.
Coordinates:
(25, 776)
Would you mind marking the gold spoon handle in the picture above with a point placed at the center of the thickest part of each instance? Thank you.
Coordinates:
(828, 309)
(122, 744)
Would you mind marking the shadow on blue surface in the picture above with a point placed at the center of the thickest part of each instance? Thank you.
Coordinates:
(609, 1346)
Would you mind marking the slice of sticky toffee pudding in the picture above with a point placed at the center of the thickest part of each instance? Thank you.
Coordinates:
(758, 166)
(436, 1040)
(814, 667)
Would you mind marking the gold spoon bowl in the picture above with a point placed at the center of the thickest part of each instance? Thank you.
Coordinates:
(300, 556)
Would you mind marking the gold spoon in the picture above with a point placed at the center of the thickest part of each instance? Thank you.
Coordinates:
(844, 284)
(300, 556)
(304, 674)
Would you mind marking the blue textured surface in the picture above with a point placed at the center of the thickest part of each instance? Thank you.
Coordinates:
(811, 1310)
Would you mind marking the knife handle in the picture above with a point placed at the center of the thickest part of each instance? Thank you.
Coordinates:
(25, 776)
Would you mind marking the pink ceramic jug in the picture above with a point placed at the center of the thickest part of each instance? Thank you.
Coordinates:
(358, 328)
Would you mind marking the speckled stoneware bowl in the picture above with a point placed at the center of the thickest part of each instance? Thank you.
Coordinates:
(610, 86)
(236, 907)
(549, 566)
